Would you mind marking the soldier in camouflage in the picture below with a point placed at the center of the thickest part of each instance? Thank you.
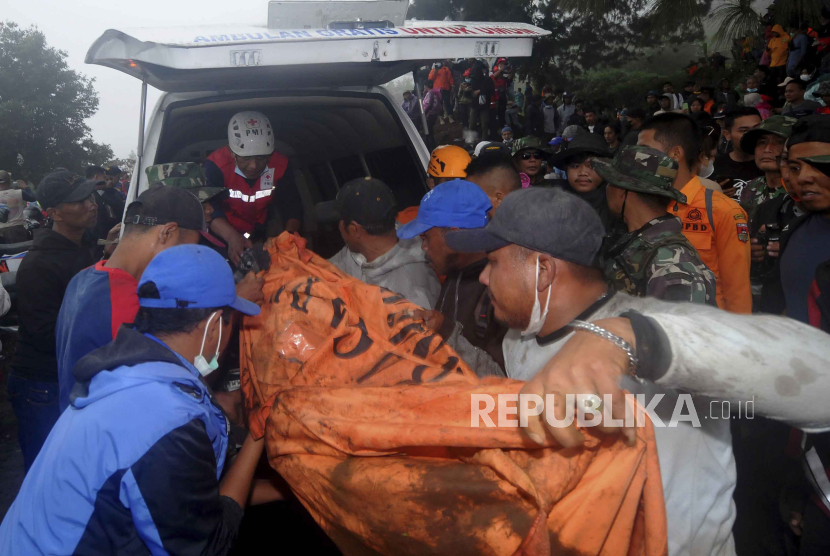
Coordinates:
(654, 258)
(767, 141)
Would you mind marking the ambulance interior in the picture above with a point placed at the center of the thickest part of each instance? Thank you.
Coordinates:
(330, 137)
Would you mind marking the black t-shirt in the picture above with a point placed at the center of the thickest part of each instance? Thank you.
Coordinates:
(740, 172)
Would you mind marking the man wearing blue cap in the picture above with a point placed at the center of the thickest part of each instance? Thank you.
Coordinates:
(463, 306)
(133, 465)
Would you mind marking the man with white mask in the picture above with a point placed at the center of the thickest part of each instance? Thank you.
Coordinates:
(570, 335)
(134, 462)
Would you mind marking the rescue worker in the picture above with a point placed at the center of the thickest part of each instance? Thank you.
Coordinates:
(530, 155)
(542, 247)
(133, 465)
(713, 223)
(653, 258)
(257, 176)
(365, 210)
(447, 162)
(463, 306)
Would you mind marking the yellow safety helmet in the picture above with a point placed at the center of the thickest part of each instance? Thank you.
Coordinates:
(449, 161)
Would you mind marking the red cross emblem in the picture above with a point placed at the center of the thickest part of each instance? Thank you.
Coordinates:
(252, 122)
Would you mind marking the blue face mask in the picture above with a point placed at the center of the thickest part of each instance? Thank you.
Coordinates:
(468, 80)
(752, 90)
(200, 362)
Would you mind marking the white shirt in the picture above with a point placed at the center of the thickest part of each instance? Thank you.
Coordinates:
(696, 464)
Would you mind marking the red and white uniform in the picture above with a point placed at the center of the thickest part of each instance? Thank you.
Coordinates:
(247, 205)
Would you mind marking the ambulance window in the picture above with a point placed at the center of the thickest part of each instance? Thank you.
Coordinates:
(347, 168)
(397, 169)
(324, 181)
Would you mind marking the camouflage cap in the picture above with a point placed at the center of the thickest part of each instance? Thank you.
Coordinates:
(530, 142)
(185, 175)
(641, 169)
(823, 89)
(781, 126)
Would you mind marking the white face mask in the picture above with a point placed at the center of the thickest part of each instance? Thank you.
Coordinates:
(200, 362)
(537, 316)
(707, 171)
(805, 77)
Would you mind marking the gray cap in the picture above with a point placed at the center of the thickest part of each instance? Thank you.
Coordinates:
(541, 219)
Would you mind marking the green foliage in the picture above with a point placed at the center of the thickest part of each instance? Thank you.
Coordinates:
(44, 106)
(620, 87)
(735, 19)
(790, 13)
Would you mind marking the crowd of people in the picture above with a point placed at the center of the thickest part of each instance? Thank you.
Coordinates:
(680, 246)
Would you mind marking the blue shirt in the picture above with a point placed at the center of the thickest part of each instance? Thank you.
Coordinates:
(808, 247)
(97, 302)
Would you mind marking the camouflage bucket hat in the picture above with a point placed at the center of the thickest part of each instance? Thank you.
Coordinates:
(641, 169)
(185, 175)
(781, 126)
(530, 142)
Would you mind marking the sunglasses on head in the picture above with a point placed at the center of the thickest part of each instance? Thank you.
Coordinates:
(527, 155)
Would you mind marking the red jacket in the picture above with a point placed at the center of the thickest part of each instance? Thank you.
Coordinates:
(247, 206)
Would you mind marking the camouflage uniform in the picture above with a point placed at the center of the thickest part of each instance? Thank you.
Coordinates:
(658, 261)
(757, 191)
(185, 175)
(655, 260)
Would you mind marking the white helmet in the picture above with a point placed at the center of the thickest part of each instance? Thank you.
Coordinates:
(250, 134)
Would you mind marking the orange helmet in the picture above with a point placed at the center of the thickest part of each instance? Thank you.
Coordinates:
(449, 161)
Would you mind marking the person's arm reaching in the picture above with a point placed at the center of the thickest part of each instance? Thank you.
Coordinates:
(176, 500)
(236, 484)
(734, 258)
(780, 364)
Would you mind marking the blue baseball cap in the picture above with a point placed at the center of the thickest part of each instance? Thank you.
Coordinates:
(507, 128)
(452, 204)
(559, 140)
(192, 277)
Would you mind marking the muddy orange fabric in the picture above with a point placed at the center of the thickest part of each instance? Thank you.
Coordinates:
(407, 215)
(367, 415)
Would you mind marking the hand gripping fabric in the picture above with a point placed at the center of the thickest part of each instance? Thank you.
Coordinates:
(366, 415)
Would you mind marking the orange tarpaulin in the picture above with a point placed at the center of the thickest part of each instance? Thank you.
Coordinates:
(367, 417)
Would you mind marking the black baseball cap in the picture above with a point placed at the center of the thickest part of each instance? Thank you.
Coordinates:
(541, 219)
(112, 170)
(366, 201)
(63, 186)
(812, 129)
(164, 204)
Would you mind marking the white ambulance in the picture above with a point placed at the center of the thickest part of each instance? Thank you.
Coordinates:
(317, 70)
